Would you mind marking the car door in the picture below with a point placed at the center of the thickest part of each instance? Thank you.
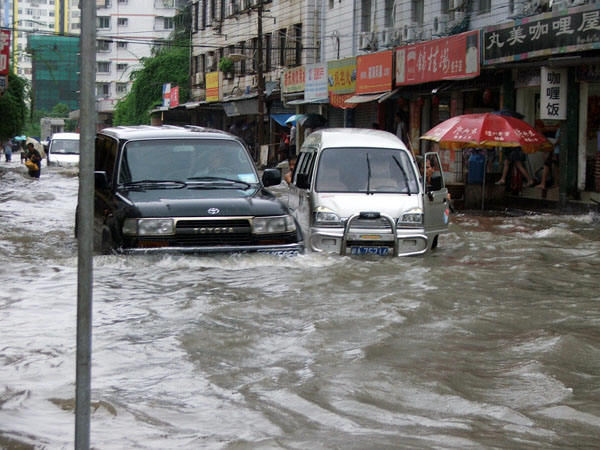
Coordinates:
(300, 188)
(436, 209)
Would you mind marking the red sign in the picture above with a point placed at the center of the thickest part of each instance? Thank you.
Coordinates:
(4, 51)
(174, 97)
(374, 72)
(451, 58)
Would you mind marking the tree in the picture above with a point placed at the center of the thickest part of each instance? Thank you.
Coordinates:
(13, 109)
(168, 64)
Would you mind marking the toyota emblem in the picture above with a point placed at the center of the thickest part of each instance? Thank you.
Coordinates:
(213, 211)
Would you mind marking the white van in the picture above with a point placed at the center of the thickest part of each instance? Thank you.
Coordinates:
(359, 192)
(63, 149)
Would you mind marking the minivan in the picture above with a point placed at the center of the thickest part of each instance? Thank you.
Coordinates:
(63, 149)
(359, 192)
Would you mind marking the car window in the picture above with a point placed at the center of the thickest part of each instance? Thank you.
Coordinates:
(185, 160)
(64, 146)
(359, 169)
(105, 155)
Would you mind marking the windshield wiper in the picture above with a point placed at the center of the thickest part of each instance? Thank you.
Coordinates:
(403, 173)
(142, 184)
(220, 181)
(368, 175)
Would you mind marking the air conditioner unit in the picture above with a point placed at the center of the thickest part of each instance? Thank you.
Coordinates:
(367, 40)
(425, 34)
(412, 32)
(244, 4)
(387, 37)
(440, 24)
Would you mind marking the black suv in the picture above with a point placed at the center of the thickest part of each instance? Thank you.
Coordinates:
(185, 189)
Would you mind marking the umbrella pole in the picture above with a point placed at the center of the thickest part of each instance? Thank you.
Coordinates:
(483, 179)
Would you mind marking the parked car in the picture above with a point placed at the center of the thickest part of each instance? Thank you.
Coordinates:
(358, 191)
(63, 149)
(185, 189)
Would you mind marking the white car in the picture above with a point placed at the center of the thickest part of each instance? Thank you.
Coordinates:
(359, 192)
(63, 149)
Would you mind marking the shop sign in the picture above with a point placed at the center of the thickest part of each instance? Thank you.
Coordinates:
(553, 95)
(293, 80)
(166, 95)
(174, 97)
(527, 78)
(550, 33)
(339, 101)
(452, 58)
(374, 72)
(213, 90)
(4, 58)
(316, 82)
(341, 76)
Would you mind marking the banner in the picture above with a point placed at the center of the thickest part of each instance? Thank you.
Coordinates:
(553, 94)
(174, 97)
(166, 95)
(374, 72)
(213, 93)
(4, 59)
(452, 58)
(316, 82)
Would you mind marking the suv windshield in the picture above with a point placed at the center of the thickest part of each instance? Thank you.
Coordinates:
(369, 170)
(186, 160)
(65, 146)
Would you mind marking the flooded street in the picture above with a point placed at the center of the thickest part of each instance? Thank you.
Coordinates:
(493, 340)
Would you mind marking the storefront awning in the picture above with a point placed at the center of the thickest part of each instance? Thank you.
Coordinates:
(281, 118)
(303, 101)
(242, 107)
(365, 98)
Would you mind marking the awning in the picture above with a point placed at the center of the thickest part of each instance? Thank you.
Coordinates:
(281, 118)
(364, 98)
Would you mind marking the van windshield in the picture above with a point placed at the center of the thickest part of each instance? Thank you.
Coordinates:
(369, 170)
(65, 146)
(185, 160)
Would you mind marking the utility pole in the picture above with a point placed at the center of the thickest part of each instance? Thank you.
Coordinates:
(260, 80)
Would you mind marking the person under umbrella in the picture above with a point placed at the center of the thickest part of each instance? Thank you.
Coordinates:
(33, 161)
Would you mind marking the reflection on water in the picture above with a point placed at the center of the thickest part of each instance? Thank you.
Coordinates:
(492, 340)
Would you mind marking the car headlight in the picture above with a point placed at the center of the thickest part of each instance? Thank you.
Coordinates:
(412, 218)
(273, 225)
(148, 227)
(325, 216)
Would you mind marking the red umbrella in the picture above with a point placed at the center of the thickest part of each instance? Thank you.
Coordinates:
(487, 130)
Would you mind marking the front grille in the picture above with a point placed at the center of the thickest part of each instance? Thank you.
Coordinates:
(212, 232)
(380, 223)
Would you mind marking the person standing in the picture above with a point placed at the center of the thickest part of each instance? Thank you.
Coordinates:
(292, 148)
(33, 161)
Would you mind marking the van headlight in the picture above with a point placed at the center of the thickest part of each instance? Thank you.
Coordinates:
(325, 216)
(148, 227)
(273, 225)
(412, 218)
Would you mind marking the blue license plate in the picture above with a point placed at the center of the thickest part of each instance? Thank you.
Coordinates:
(280, 252)
(380, 251)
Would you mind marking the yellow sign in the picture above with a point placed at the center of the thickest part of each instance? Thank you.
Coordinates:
(213, 91)
(341, 76)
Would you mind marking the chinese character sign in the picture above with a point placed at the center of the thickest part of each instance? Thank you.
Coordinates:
(213, 87)
(341, 76)
(452, 58)
(4, 51)
(374, 72)
(166, 94)
(293, 80)
(545, 34)
(553, 95)
(316, 82)
(174, 97)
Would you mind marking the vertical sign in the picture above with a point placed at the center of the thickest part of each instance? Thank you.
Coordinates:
(166, 94)
(213, 87)
(553, 95)
(4, 58)
(315, 87)
(174, 97)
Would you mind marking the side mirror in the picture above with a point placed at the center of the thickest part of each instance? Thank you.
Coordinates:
(271, 177)
(100, 179)
(302, 181)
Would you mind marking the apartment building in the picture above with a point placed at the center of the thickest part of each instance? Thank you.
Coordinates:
(127, 30)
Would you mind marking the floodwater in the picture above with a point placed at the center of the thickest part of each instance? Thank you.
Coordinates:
(493, 340)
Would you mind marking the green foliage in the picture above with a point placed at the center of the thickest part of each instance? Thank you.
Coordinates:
(225, 65)
(168, 64)
(32, 126)
(12, 107)
(60, 110)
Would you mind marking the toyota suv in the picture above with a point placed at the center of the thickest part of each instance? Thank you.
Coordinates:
(185, 189)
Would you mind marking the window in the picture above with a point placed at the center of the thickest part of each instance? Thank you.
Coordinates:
(75, 25)
(103, 45)
(282, 41)
(123, 2)
(103, 66)
(365, 15)
(298, 53)
(121, 88)
(203, 16)
(103, 22)
(102, 90)
(389, 13)
(268, 49)
(122, 21)
(485, 6)
(195, 22)
(121, 44)
(168, 23)
(417, 11)
(121, 67)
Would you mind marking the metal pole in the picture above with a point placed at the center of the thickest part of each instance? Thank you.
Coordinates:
(260, 80)
(85, 215)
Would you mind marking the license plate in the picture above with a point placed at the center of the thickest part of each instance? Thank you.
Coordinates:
(280, 252)
(380, 251)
